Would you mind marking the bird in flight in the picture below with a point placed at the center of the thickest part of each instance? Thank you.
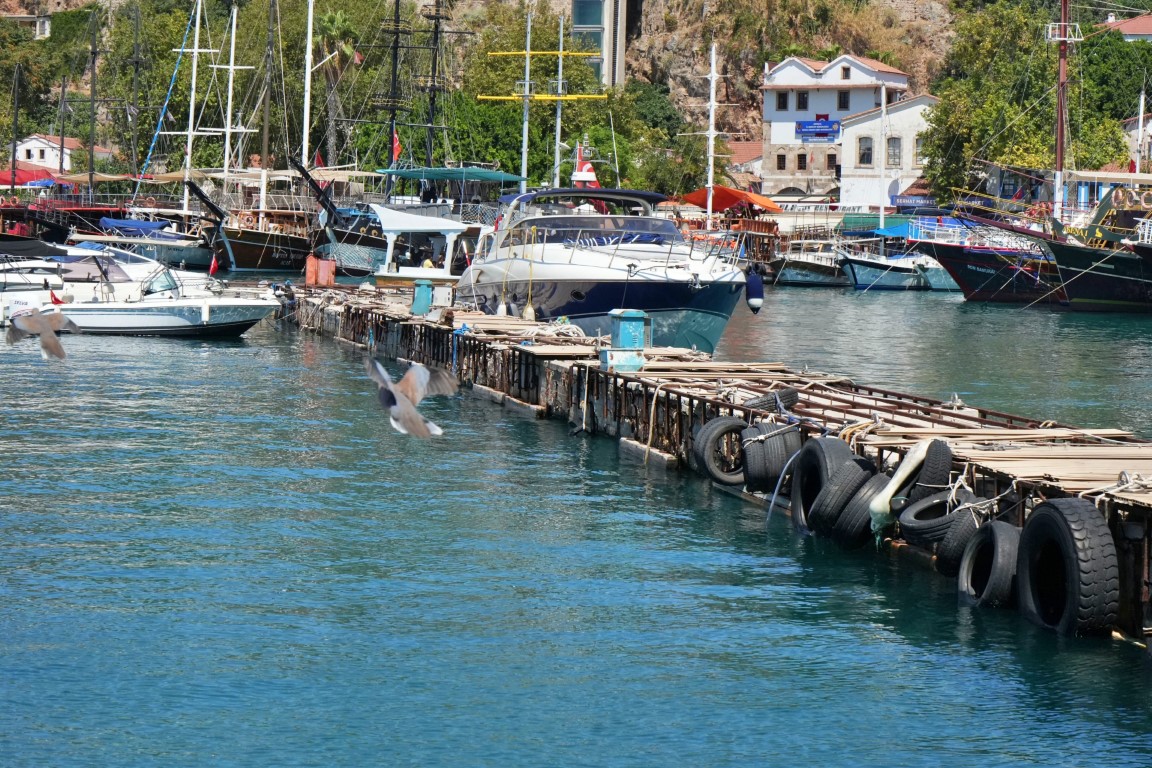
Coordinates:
(402, 397)
(31, 323)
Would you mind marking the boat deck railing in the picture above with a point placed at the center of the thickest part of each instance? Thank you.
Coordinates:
(639, 249)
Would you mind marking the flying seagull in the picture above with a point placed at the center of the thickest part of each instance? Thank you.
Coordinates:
(32, 323)
(402, 397)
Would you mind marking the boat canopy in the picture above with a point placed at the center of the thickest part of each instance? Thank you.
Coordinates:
(392, 220)
(132, 227)
(590, 193)
(724, 198)
(30, 249)
(451, 174)
(898, 230)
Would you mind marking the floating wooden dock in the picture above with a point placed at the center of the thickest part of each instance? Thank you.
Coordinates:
(551, 371)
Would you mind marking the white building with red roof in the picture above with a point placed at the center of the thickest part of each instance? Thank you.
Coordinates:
(44, 150)
(1135, 28)
(804, 103)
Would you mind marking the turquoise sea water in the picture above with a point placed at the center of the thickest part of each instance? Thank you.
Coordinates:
(220, 554)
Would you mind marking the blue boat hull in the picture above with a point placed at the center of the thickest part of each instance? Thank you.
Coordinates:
(682, 315)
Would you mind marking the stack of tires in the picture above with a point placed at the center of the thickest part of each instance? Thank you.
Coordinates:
(1061, 569)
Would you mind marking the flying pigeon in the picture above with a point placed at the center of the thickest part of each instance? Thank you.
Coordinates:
(31, 323)
(402, 397)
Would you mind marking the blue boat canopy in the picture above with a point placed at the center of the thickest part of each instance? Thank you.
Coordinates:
(132, 227)
(899, 230)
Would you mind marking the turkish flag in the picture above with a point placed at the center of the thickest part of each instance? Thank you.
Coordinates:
(55, 299)
(214, 266)
(396, 148)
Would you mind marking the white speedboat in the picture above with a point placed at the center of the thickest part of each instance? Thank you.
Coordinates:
(111, 292)
(581, 253)
(161, 306)
(873, 267)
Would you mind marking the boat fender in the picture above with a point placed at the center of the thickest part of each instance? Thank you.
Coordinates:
(205, 313)
(754, 291)
(880, 507)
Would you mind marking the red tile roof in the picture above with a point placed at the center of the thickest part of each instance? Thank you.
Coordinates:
(69, 142)
(1137, 25)
(820, 66)
(745, 151)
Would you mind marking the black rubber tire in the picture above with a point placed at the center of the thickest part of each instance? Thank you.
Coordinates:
(848, 478)
(964, 526)
(988, 569)
(716, 450)
(764, 460)
(1067, 573)
(853, 528)
(788, 397)
(927, 521)
(814, 466)
(935, 473)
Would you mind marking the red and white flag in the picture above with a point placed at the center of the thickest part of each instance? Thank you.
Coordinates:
(214, 266)
(584, 175)
(396, 148)
(55, 299)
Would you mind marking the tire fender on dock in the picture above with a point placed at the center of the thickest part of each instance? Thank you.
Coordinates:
(987, 574)
(716, 451)
(818, 461)
(1068, 577)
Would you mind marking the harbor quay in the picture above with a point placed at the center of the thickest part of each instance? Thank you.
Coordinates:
(1043, 517)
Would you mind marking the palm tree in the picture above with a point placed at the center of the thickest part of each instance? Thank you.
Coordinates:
(334, 35)
(830, 53)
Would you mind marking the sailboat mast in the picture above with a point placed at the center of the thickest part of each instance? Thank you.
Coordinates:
(136, 62)
(711, 132)
(559, 106)
(304, 159)
(228, 112)
(527, 95)
(434, 85)
(267, 111)
(1061, 112)
(15, 121)
(192, 103)
(93, 51)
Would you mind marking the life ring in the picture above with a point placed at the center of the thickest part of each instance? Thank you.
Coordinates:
(374, 232)
(1145, 199)
(15, 200)
(363, 230)
(1080, 595)
(815, 464)
(247, 219)
(840, 489)
(150, 202)
(717, 453)
(768, 448)
(988, 567)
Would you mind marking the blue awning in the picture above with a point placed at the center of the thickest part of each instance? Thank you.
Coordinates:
(899, 230)
(131, 227)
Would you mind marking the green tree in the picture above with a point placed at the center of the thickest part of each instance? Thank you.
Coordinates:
(998, 104)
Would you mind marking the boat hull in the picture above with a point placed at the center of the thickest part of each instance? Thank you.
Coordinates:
(250, 250)
(1105, 279)
(198, 318)
(937, 278)
(877, 276)
(995, 276)
(801, 273)
(683, 314)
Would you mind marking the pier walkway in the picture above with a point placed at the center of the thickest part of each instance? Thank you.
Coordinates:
(549, 371)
